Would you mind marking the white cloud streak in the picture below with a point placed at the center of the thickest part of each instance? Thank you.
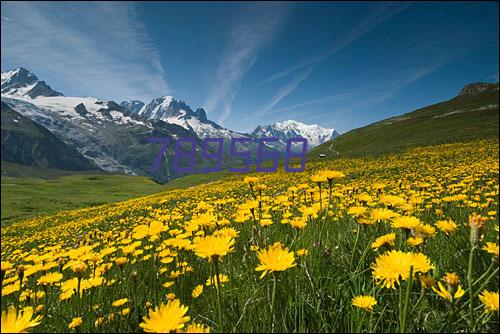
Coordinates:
(379, 14)
(99, 49)
(250, 32)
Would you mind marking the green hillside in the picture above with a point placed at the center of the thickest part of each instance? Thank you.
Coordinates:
(471, 115)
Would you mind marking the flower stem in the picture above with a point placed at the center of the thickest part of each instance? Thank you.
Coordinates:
(216, 266)
(407, 300)
(471, 293)
(273, 298)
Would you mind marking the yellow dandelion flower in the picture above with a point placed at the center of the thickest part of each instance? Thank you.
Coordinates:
(384, 240)
(491, 248)
(213, 246)
(451, 279)
(356, 211)
(414, 241)
(447, 295)
(213, 280)
(197, 291)
(79, 268)
(406, 222)
(250, 180)
(76, 322)
(364, 302)
(275, 258)
(165, 318)
(392, 266)
(380, 214)
(302, 252)
(196, 328)
(168, 284)
(12, 322)
(99, 321)
(447, 226)
(427, 281)
(50, 278)
(119, 302)
(489, 300)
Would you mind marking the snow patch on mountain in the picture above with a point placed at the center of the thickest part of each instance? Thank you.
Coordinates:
(314, 133)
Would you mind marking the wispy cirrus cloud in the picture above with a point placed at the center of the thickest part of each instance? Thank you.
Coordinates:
(379, 14)
(305, 67)
(256, 27)
(89, 48)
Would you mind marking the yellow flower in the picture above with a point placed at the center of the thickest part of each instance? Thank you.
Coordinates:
(213, 246)
(491, 248)
(302, 252)
(125, 311)
(250, 179)
(165, 318)
(392, 266)
(4, 266)
(452, 279)
(50, 278)
(379, 214)
(79, 268)
(120, 262)
(275, 258)
(447, 226)
(445, 294)
(427, 281)
(356, 211)
(197, 291)
(298, 223)
(364, 302)
(119, 302)
(332, 174)
(425, 230)
(489, 300)
(387, 239)
(168, 284)
(412, 242)
(318, 178)
(18, 323)
(222, 279)
(196, 328)
(99, 321)
(75, 323)
(406, 222)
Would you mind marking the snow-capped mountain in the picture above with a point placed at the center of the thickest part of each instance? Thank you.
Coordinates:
(24, 83)
(314, 134)
(174, 111)
(110, 135)
(132, 106)
(113, 136)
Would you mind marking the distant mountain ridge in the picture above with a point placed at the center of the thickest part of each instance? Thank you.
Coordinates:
(22, 82)
(314, 134)
(472, 114)
(111, 135)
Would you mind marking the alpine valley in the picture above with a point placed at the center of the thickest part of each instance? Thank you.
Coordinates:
(113, 136)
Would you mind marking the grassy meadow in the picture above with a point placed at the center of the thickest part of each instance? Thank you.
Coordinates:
(403, 242)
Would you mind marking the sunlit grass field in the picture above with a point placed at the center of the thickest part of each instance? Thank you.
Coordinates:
(399, 243)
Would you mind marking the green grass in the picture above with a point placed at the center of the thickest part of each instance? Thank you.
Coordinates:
(26, 197)
(461, 119)
(30, 191)
(313, 296)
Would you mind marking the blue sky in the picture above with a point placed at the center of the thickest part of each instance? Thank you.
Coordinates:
(339, 65)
